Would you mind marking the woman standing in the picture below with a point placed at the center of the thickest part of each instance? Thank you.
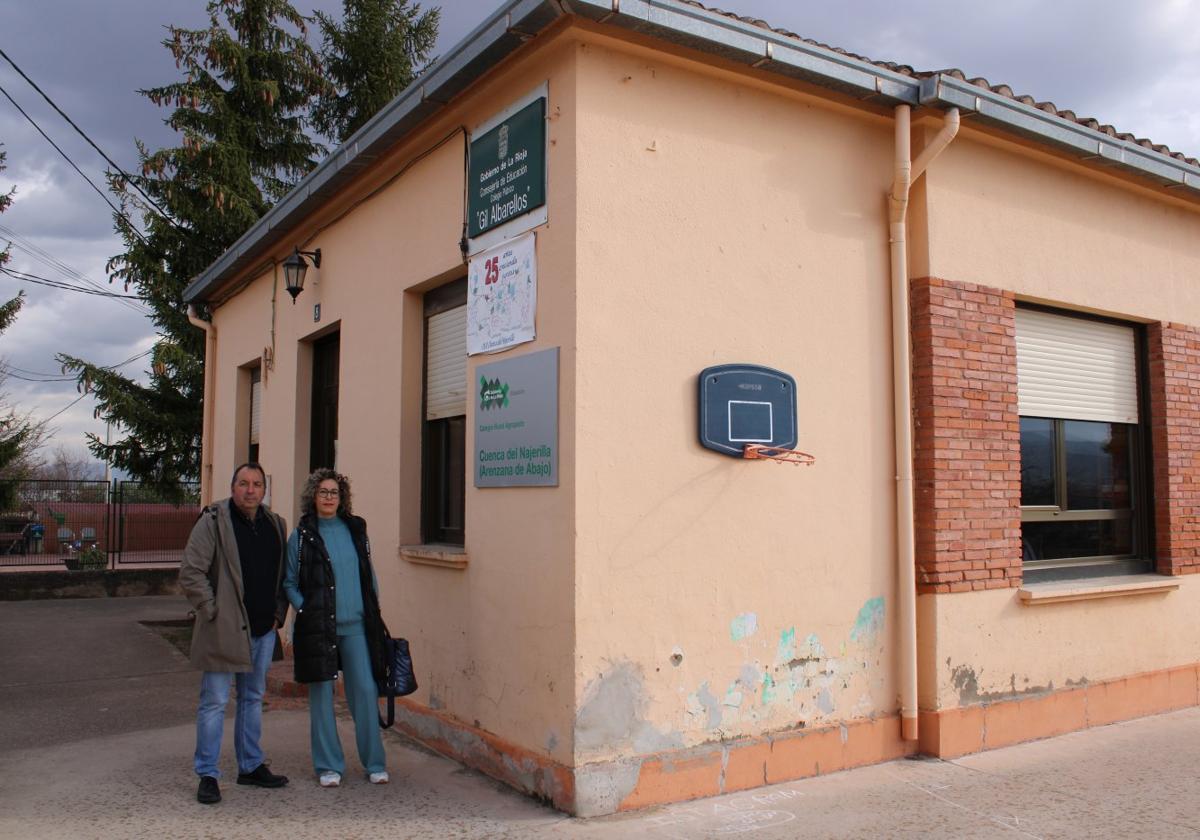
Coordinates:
(331, 584)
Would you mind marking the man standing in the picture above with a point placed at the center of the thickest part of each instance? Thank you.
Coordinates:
(231, 573)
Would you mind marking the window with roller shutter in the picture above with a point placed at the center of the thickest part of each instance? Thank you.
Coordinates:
(443, 462)
(1083, 483)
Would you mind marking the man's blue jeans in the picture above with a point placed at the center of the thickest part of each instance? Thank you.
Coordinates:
(247, 726)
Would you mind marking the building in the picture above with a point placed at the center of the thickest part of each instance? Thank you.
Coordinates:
(990, 311)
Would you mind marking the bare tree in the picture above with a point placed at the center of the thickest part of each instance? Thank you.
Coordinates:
(64, 464)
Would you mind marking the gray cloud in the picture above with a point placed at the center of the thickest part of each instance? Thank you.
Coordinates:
(1131, 65)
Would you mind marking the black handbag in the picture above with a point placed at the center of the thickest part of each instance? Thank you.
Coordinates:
(398, 678)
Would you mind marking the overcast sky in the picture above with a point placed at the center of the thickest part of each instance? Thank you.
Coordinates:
(1133, 65)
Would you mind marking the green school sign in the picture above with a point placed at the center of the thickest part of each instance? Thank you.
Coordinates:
(507, 171)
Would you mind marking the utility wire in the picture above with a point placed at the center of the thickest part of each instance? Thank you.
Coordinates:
(53, 262)
(8, 370)
(65, 407)
(128, 178)
(91, 183)
(56, 284)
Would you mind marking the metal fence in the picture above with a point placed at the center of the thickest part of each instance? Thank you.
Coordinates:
(94, 524)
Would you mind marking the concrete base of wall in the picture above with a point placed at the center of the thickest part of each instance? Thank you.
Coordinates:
(607, 787)
(955, 732)
(528, 772)
(626, 784)
(36, 586)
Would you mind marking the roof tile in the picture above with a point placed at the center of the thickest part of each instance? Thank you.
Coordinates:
(1000, 89)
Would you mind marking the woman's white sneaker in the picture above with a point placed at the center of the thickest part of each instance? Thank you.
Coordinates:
(380, 778)
(330, 779)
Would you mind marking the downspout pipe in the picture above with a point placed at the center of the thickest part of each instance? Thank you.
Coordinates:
(210, 379)
(906, 172)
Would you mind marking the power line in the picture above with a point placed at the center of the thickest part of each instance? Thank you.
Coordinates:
(128, 178)
(66, 287)
(53, 262)
(99, 192)
(65, 407)
(8, 370)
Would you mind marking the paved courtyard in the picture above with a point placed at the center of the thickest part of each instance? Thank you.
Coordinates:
(96, 737)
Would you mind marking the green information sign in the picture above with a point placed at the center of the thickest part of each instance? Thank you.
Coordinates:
(508, 169)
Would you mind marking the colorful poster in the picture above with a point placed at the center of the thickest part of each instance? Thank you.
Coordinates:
(502, 296)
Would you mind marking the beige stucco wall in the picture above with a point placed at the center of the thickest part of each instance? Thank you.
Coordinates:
(493, 643)
(982, 646)
(722, 221)
(663, 595)
(1004, 216)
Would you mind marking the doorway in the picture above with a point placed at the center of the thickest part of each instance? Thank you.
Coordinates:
(323, 449)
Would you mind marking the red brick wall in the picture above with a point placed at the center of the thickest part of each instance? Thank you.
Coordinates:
(1174, 360)
(967, 456)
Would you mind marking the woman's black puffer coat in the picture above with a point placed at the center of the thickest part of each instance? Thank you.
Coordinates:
(315, 635)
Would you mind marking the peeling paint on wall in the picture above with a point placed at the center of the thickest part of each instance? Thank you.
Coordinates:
(869, 623)
(711, 706)
(743, 627)
(601, 788)
(787, 645)
(611, 715)
(768, 690)
(966, 682)
(800, 680)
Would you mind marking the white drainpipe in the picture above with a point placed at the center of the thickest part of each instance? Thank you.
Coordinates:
(210, 379)
(907, 171)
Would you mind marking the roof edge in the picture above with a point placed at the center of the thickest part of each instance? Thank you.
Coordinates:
(689, 25)
(1088, 144)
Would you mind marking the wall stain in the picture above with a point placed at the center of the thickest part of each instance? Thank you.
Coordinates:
(743, 627)
(966, 683)
(711, 706)
(611, 714)
(787, 645)
(869, 622)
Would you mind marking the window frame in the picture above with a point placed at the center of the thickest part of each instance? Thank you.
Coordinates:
(436, 434)
(1140, 512)
(253, 447)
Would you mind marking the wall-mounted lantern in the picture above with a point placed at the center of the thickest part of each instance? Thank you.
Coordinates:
(294, 269)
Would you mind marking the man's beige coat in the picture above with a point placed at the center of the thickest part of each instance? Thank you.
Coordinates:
(211, 578)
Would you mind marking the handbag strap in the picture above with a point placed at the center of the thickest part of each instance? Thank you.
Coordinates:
(391, 713)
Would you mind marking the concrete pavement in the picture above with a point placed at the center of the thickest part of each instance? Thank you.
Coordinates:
(96, 736)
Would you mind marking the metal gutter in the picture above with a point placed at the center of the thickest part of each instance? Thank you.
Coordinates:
(687, 25)
(1040, 126)
(486, 46)
(692, 27)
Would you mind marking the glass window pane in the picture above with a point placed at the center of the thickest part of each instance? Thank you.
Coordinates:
(1059, 540)
(1037, 461)
(1097, 465)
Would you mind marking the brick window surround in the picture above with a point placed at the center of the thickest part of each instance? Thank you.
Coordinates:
(1174, 364)
(967, 437)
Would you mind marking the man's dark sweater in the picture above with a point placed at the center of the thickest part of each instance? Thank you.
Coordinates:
(258, 550)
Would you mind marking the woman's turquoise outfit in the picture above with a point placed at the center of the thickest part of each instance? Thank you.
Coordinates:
(352, 649)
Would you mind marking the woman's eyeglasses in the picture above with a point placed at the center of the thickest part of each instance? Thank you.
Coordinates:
(328, 494)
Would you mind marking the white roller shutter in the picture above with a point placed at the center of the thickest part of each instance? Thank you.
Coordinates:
(1075, 368)
(446, 364)
(255, 404)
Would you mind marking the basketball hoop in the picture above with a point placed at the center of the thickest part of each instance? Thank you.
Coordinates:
(756, 451)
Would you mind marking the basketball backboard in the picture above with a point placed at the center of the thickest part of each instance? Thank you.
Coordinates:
(746, 404)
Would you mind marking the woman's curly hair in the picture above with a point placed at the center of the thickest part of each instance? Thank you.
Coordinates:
(308, 493)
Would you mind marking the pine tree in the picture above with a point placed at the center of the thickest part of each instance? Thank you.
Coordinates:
(247, 81)
(370, 57)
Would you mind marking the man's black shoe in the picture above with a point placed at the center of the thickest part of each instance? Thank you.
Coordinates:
(260, 776)
(208, 793)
